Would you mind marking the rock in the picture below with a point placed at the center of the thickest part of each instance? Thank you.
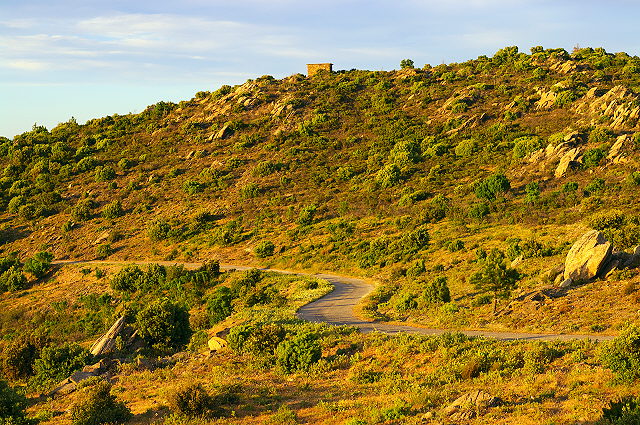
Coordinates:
(107, 343)
(517, 261)
(223, 133)
(216, 344)
(619, 104)
(618, 146)
(567, 162)
(547, 100)
(559, 279)
(611, 267)
(566, 284)
(466, 406)
(587, 256)
(103, 237)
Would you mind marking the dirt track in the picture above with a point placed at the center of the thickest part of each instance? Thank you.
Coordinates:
(336, 308)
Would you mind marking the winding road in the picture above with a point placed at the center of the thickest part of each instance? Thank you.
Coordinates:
(337, 307)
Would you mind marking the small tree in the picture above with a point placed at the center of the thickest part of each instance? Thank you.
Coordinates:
(496, 277)
(219, 305)
(622, 355)
(406, 63)
(264, 249)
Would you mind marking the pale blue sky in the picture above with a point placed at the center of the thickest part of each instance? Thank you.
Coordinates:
(88, 58)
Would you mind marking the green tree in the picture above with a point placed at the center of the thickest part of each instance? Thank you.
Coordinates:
(164, 324)
(406, 63)
(219, 305)
(491, 186)
(57, 363)
(264, 249)
(495, 276)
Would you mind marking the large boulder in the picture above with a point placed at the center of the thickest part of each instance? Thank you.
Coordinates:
(587, 256)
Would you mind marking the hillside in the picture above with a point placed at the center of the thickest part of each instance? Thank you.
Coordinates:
(424, 180)
(366, 173)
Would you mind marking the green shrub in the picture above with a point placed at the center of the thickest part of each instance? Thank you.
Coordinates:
(13, 280)
(389, 175)
(57, 363)
(112, 210)
(251, 190)
(492, 186)
(307, 215)
(126, 163)
(532, 191)
(622, 355)
(158, 230)
(466, 147)
(595, 186)
(634, 178)
(82, 210)
(192, 187)
(264, 249)
(479, 210)
(298, 353)
(405, 153)
(12, 406)
(16, 360)
(436, 291)
(39, 265)
(600, 135)
(105, 173)
(625, 411)
(219, 305)
(406, 301)
(164, 325)
(104, 250)
(592, 157)
(127, 279)
(98, 405)
(406, 63)
(192, 401)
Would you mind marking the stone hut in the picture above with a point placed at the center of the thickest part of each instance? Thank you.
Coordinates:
(313, 68)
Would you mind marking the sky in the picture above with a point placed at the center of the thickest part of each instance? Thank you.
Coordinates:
(88, 59)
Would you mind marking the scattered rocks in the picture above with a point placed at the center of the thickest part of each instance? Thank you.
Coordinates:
(587, 256)
(616, 154)
(619, 104)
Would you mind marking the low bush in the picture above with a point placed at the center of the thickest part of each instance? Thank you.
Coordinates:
(264, 249)
(12, 406)
(625, 411)
(98, 405)
(219, 305)
(112, 210)
(622, 355)
(298, 353)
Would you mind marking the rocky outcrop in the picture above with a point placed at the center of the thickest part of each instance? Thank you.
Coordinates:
(561, 157)
(107, 343)
(569, 161)
(617, 152)
(467, 406)
(587, 257)
(619, 104)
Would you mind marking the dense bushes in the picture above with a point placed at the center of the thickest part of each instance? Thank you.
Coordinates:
(97, 406)
(219, 305)
(490, 187)
(164, 325)
(264, 249)
(622, 355)
(436, 291)
(194, 401)
(12, 406)
(57, 363)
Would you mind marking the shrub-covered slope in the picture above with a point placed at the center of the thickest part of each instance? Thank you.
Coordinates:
(407, 175)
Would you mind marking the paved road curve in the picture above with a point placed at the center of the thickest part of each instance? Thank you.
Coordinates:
(336, 308)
